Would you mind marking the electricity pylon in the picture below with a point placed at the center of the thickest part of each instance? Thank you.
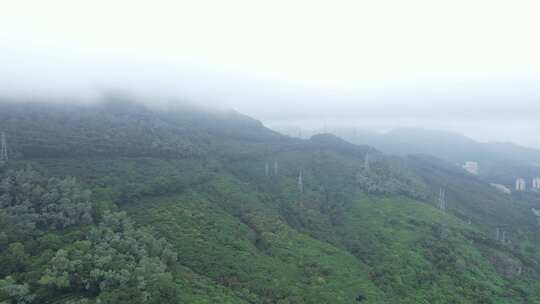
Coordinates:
(300, 182)
(442, 199)
(3, 149)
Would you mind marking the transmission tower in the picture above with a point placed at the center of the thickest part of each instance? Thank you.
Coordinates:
(266, 169)
(300, 182)
(366, 162)
(504, 241)
(3, 149)
(442, 199)
(275, 167)
(501, 236)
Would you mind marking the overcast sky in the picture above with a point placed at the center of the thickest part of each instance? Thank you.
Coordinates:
(463, 65)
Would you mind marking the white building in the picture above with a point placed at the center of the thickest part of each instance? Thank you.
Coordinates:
(536, 183)
(520, 184)
(471, 167)
(537, 214)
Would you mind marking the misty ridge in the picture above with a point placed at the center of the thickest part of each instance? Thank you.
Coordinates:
(401, 141)
(488, 113)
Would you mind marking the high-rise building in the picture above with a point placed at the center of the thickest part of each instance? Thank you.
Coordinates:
(536, 183)
(520, 184)
(537, 214)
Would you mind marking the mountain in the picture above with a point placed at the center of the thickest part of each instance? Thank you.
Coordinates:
(121, 203)
(498, 162)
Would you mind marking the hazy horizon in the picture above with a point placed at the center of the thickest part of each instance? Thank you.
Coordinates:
(466, 67)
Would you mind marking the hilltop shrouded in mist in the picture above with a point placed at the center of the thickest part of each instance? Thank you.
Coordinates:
(467, 67)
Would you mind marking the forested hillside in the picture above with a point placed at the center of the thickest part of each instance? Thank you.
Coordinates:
(498, 162)
(119, 203)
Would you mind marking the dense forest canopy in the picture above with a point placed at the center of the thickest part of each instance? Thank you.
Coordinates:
(120, 203)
